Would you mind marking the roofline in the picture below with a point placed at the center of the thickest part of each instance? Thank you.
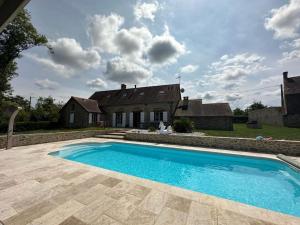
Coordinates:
(73, 97)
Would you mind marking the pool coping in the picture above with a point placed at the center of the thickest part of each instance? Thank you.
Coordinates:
(234, 206)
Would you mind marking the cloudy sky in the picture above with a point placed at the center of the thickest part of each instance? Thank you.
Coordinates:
(224, 50)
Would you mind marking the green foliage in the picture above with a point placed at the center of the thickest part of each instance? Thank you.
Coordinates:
(183, 125)
(255, 106)
(30, 125)
(46, 110)
(18, 36)
(239, 112)
(151, 129)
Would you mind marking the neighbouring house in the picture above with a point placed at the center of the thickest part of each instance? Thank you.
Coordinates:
(291, 100)
(214, 116)
(80, 112)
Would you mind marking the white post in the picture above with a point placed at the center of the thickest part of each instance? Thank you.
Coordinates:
(123, 119)
(151, 116)
(131, 119)
(114, 120)
(165, 116)
(11, 128)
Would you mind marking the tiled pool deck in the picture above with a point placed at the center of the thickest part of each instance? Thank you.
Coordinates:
(36, 188)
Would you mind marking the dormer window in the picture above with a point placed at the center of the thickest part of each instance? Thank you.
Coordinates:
(142, 93)
(125, 94)
(108, 96)
(161, 92)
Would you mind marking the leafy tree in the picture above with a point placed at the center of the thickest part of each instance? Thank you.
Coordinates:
(46, 110)
(239, 112)
(18, 36)
(255, 106)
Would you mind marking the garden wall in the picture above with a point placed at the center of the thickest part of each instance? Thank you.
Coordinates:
(244, 144)
(38, 138)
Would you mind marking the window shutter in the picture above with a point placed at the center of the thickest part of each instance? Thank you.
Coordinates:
(114, 120)
(142, 117)
(165, 116)
(123, 119)
(90, 118)
(151, 116)
(131, 119)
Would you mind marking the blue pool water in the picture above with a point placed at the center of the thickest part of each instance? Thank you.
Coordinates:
(260, 182)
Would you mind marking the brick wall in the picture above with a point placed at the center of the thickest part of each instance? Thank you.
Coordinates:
(30, 139)
(245, 144)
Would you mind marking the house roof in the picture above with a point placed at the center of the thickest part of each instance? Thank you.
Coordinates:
(142, 95)
(196, 108)
(88, 104)
(292, 85)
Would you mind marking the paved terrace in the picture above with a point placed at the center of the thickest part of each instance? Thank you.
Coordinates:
(36, 188)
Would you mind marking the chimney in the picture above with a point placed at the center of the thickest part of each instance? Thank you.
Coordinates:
(135, 86)
(285, 75)
(185, 103)
(123, 86)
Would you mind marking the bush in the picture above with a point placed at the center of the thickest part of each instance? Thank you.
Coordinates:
(183, 125)
(151, 129)
(30, 125)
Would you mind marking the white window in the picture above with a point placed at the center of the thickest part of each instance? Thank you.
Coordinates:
(98, 117)
(165, 116)
(90, 118)
(71, 117)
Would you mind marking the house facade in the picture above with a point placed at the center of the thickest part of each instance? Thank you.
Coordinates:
(213, 116)
(80, 112)
(139, 107)
(291, 100)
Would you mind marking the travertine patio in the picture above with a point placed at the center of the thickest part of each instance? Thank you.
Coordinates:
(36, 188)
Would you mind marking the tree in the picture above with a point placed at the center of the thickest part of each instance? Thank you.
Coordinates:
(18, 36)
(239, 112)
(255, 106)
(46, 110)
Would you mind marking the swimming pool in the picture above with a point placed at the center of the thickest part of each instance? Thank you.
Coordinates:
(259, 182)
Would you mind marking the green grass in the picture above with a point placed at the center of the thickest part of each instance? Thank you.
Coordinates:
(241, 130)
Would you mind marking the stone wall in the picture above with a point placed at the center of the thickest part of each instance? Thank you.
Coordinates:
(270, 116)
(212, 122)
(245, 144)
(292, 120)
(38, 138)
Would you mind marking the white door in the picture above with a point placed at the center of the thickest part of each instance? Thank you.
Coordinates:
(131, 119)
(114, 120)
(123, 119)
(165, 116)
(151, 116)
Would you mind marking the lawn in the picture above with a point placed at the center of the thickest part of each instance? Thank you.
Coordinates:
(241, 130)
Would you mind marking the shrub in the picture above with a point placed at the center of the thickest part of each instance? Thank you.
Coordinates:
(151, 129)
(30, 125)
(183, 125)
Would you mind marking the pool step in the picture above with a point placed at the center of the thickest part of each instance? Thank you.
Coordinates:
(110, 136)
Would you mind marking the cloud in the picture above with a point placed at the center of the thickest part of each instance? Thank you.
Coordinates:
(145, 10)
(68, 52)
(102, 31)
(189, 68)
(97, 83)
(290, 56)
(235, 67)
(209, 95)
(285, 21)
(233, 97)
(46, 84)
(123, 71)
(165, 49)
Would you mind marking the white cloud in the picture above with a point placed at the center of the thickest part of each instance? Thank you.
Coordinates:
(145, 10)
(189, 68)
(209, 95)
(285, 21)
(165, 49)
(235, 67)
(123, 71)
(233, 97)
(102, 31)
(274, 80)
(97, 83)
(68, 52)
(290, 56)
(46, 84)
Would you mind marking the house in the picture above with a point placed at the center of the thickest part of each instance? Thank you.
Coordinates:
(80, 112)
(126, 107)
(290, 99)
(214, 116)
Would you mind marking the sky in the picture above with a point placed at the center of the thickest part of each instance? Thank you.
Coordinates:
(223, 50)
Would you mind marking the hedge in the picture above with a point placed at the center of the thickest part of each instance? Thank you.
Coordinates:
(30, 125)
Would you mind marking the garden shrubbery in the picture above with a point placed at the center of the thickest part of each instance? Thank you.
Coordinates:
(30, 125)
(183, 125)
